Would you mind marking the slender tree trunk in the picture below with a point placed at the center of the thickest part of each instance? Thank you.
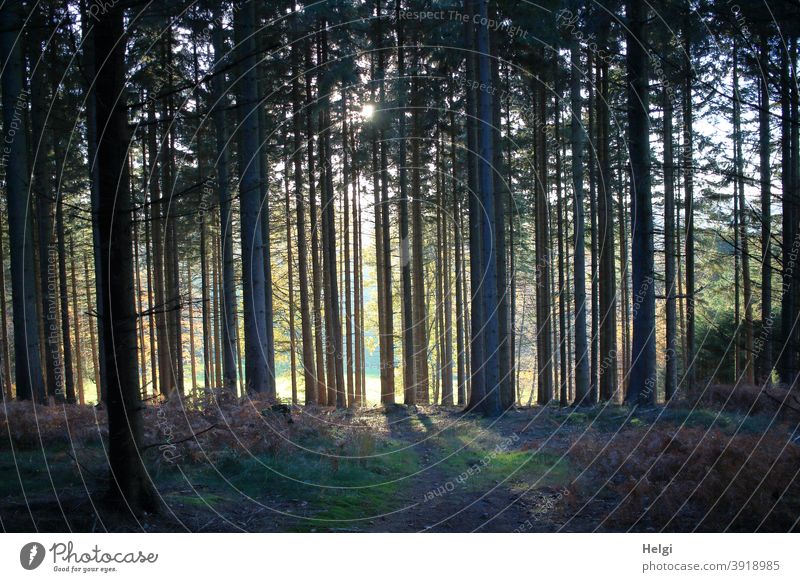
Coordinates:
(69, 378)
(28, 366)
(137, 275)
(159, 305)
(593, 192)
(409, 376)
(173, 303)
(89, 55)
(77, 324)
(749, 368)
(560, 233)
(544, 346)
(336, 352)
(688, 187)
(501, 192)
(42, 185)
(461, 373)
(5, 351)
(386, 246)
(227, 299)
(316, 269)
(581, 347)
(643, 370)
(348, 297)
(671, 374)
(605, 211)
(309, 365)
(151, 306)
(130, 483)
(92, 338)
(765, 361)
(419, 317)
(190, 309)
(447, 300)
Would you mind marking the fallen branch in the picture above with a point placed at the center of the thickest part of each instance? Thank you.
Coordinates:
(190, 437)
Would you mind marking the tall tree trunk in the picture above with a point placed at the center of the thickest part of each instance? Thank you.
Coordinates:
(461, 355)
(290, 274)
(156, 203)
(336, 352)
(477, 383)
(671, 342)
(137, 275)
(253, 253)
(173, 303)
(791, 229)
(593, 191)
(77, 324)
(151, 304)
(500, 191)
(765, 361)
(309, 365)
(560, 233)
(447, 283)
(749, 368)
(409, 376)
(491, 336)
(227, 299)
(5, 351)
(89, 55)
(92, 339)
(605, 212)
(28, 366)
(42, 187)
(419, 316)
(130, 483)
(544, 339)
(581, 347)
(190, 313)
(688, 187)
(643, 370)
(387, 392)
(316, 269)
(69, 378)
(348, 297)
(358, 290)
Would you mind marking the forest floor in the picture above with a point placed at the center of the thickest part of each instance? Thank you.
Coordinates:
(677, 468)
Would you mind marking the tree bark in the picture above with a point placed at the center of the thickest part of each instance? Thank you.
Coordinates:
(28, 367)
(642, 386)
(130, 483)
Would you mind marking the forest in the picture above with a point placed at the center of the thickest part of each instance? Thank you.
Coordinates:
(399, 266)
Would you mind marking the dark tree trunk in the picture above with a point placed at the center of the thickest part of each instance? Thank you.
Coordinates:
(544, 340)
(605, 211)
(130, 483)
(227, 299)
(309, 365)
(671, 373)
(409, 376)
(69, 378)
(28, 367)
(688, 187)
(643, 370)
(253, 259)
(765, 361)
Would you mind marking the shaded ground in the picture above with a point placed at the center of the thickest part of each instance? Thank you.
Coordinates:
(425, 469)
